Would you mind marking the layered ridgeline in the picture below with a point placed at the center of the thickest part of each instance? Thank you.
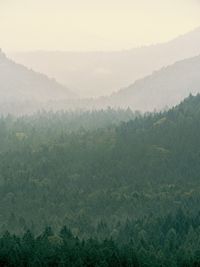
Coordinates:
(22, 89)
(53, 173)
(100, 73)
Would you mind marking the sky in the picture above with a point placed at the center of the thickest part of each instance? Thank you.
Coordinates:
(84, 25)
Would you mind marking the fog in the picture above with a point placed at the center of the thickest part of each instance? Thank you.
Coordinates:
(93, 25)
(92, 74)
(99, 133)
(92, 49)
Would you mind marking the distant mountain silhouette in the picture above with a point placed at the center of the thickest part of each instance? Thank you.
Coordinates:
(18, 83)
(166, 87)
(100, 73)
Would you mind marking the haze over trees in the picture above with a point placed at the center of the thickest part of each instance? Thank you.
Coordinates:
(99, 151)
(130, 190)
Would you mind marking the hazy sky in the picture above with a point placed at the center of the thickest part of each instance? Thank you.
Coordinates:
(93, 24)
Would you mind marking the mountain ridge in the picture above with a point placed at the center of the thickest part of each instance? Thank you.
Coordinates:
(102, 73)
(18, 83)
(165, 87)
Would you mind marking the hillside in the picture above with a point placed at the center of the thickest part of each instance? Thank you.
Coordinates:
(19, 84)
(78, 177)
(164, 88)
(79, 188)
(102, 73)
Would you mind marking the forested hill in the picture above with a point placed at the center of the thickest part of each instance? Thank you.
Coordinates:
(50, 175)
(133, 187)
(18, 84)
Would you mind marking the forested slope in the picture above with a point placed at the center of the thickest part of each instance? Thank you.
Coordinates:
(130, 189)
(170, 241)
(51, 175)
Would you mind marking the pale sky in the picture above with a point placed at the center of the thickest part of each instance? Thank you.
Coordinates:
(93, 24)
